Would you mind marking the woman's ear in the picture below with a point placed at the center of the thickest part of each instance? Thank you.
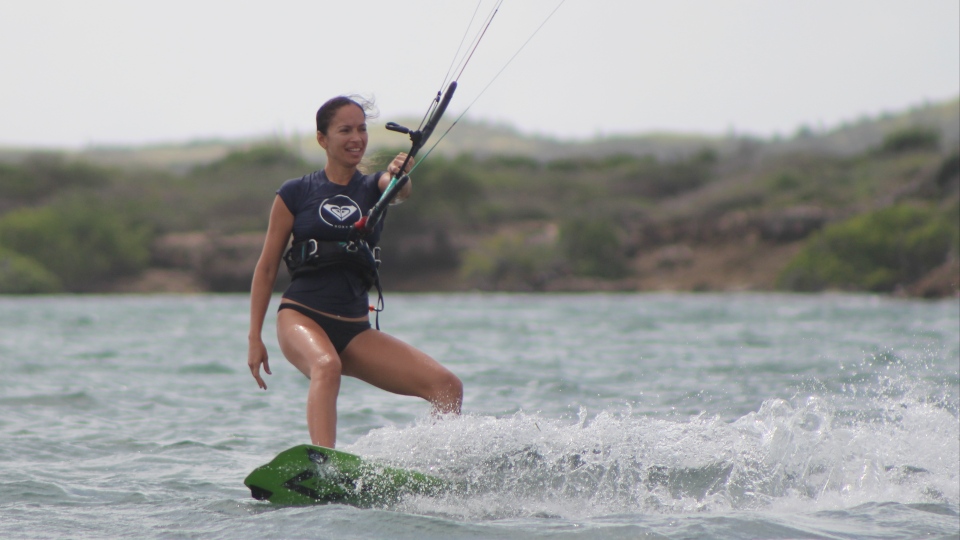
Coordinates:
(322, 140)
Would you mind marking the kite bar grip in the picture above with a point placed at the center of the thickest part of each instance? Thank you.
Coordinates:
(393, 126)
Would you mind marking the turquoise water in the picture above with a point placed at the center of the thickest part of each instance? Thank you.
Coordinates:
(586, 416)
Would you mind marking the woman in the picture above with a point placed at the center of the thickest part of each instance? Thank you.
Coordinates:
(323, 323)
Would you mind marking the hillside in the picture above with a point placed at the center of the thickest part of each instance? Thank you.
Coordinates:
(484, 139)
(871, 205)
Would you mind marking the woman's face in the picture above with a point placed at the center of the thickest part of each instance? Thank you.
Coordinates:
(346, 139)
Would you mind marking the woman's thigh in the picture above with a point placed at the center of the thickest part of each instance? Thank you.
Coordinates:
(390, 364)
(304, 343)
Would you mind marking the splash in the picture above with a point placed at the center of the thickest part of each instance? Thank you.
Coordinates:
(894, 442)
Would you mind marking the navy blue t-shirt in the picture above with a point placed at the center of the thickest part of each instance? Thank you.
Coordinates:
(323, 210)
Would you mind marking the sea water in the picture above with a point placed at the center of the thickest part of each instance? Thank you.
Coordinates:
(585, 416)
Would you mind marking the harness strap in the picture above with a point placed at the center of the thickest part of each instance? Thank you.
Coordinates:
(378, 307)
(356, 255)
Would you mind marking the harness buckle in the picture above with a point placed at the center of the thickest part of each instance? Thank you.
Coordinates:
(314, 248)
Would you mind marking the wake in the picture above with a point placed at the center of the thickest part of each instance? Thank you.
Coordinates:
(806, 454)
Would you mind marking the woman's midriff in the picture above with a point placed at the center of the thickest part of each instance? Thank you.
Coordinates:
(286, 300)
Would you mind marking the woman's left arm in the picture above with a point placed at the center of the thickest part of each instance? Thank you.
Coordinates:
(392, 171)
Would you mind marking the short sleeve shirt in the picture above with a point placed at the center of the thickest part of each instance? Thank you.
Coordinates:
(326, 211)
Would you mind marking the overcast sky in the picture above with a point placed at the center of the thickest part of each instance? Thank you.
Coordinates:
(104, 72)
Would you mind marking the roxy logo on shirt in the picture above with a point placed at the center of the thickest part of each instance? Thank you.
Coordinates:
(339, 211)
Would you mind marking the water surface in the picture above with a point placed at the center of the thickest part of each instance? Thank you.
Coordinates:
(586, 416)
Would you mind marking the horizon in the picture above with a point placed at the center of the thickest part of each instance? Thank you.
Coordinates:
(114, 73)
(375, 139)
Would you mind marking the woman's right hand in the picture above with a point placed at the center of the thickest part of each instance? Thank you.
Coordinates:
(256, 356)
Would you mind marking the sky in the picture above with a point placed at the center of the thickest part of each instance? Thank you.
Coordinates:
(131, 73)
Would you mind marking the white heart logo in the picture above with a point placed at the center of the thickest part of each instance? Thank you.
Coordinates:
(341, 212)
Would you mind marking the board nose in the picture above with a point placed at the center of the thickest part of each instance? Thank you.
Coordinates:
(260, 494)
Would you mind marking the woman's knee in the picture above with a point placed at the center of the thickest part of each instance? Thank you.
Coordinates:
(325, 367)
(455, 385)
(446, 388)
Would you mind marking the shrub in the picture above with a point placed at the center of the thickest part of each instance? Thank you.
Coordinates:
(949, 169)
(234, 194)
(444, 193)
(510, 261)
(572, 165)
(265, 156)
(911, 139)
(875, 252)
(43, 175)
(653, 179)
(23, 275)
(593, 248)
(513, 162)
(17, 183)
(80, 240)
(55, 172)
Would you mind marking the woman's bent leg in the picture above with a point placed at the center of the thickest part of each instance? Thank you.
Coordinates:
(390, 364)
(308, 348)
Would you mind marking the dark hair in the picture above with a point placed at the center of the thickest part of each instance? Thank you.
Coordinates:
(327, 110)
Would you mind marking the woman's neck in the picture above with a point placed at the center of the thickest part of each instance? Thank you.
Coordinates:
(339, 174)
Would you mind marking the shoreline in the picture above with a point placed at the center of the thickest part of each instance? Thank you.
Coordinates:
(183, 266)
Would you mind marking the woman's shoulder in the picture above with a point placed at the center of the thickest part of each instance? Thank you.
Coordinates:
(371, 181)
(295, 190)
(301, 183)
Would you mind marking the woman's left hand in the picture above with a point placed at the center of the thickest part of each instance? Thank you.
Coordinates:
(394, 167)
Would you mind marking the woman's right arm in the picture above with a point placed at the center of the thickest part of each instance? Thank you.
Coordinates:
(264, 278)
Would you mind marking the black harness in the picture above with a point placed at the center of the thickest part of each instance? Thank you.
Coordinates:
(354, 255)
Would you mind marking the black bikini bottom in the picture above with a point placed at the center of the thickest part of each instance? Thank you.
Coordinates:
(341, 333)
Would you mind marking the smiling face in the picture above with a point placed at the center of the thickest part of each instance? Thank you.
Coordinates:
(346, 136)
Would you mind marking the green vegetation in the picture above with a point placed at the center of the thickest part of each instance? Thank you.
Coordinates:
(446, 191)
(910, 139)
(874, 220)
(81, 241)
(45, 173)
(876, 251)
(22, 275)
(593, 248)
(233, 194)
(511, 261)
(948, 171)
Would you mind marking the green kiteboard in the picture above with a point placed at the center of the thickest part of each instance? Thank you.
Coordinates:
(309, 474)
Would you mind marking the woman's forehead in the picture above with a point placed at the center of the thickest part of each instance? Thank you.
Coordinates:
(349, 114)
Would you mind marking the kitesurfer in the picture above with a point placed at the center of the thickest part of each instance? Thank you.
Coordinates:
(323, 322)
